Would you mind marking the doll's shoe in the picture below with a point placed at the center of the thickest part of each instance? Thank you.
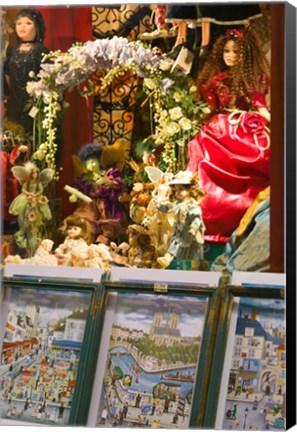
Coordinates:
(204, 51)
(165, 260)
(158, 33)
(175, 51)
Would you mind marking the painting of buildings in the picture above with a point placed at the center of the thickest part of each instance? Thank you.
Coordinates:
(41, 346)
(257, 387)
(152, 361)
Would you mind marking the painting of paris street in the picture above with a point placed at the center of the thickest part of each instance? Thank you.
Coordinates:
(256, 395)
(41, 347)
(151, 367)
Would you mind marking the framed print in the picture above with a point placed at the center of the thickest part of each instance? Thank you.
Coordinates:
(153, 363)
(45, 340)
(248, 384)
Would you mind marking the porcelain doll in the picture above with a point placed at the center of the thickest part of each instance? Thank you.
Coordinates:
(231, 152)
(77, 238)
(187, 239)
(23, 58)
(31, 206)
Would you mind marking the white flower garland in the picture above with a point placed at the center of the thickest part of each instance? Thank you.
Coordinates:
(67, 70)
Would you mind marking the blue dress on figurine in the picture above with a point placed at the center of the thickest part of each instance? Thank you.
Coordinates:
(187, 239)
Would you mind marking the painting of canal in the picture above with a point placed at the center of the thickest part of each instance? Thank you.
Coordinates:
(41, 345)
(256, 390)
(152, 361)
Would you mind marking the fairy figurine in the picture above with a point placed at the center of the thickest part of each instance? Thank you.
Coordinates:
(31, 205)
(159, 224)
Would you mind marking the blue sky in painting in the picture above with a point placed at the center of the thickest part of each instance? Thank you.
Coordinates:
(54, 305)
(136, 311)
(269, 310)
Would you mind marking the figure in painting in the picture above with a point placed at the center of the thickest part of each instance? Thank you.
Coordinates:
(231, 152)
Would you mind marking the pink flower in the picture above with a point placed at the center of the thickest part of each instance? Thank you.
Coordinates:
(252, 123)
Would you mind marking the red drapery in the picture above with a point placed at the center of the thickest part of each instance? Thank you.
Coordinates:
(65, 26)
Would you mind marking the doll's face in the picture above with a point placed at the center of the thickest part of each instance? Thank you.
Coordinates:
(34, 174)
(25, 29)
(74, 232)
(230, 53)
(93, 165)
(180, 192)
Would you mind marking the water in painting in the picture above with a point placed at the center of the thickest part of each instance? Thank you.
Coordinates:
(256, 394)
(41, 348)
(151, 367)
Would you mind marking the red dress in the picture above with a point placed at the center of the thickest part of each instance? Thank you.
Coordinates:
(231, 154)
(9, 184)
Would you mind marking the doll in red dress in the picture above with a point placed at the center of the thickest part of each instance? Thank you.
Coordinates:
(232, 150)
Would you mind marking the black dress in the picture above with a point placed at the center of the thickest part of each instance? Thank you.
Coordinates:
(17, 67)
(229, 14)
(217, 13)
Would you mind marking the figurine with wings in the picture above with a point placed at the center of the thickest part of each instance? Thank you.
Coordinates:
(31, 205)
(159, 224)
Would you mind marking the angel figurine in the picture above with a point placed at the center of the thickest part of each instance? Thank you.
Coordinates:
(31, 205)
(159, 224)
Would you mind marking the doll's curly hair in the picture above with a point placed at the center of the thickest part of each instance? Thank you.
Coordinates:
(248, 75)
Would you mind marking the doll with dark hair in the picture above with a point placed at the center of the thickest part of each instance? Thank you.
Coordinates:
(25, 56)
(231, 152)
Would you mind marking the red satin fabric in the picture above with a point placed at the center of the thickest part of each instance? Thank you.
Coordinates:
(232, 171)
(10, 187)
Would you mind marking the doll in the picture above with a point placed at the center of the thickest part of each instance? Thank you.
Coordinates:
(231, 152)
(105, 215)
(187, 238)
(43, 255)
(140, 253)
(31, 205)
(24, 57)
(77, 238)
